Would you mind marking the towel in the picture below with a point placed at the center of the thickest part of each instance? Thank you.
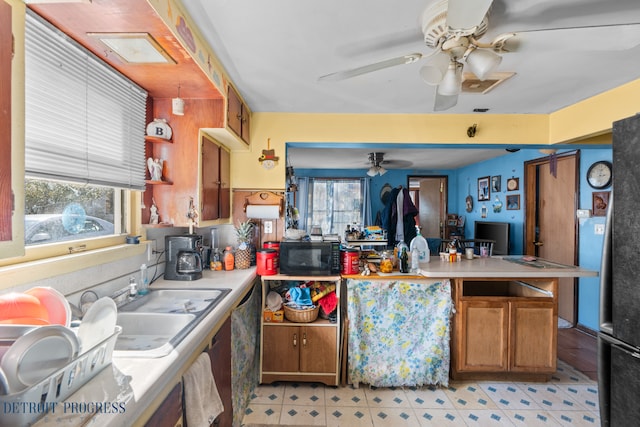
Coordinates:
(201, 398)
(300, 296)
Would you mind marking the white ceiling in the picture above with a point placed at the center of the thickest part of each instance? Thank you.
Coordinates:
(274, 51)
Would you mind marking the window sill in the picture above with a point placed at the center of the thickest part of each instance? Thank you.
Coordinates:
(30, 271)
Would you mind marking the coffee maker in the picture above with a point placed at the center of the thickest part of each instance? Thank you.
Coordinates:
(183, 256)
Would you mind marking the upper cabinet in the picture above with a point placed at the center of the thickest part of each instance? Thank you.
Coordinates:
(238, 115)
(216, 175)
(235, 130)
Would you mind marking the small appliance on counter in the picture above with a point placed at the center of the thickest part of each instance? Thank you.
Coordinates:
(183, 256)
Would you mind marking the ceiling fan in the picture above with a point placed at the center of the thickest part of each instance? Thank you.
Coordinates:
(376, 160)
(453, 29)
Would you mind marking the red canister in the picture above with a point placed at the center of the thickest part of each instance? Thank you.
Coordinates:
(350, 261)
(271, 245)
(267, 262)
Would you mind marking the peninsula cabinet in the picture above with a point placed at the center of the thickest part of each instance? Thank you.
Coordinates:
(169, 413)
(504, 328)
(299, 351)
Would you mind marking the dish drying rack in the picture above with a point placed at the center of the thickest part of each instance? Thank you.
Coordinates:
(58, 386)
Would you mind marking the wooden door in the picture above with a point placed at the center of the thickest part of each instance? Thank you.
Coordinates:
(280, 349)
(550, 224)
(432, 204)
(210, 180)
(533, 336)
(484, 336)
(318, 351)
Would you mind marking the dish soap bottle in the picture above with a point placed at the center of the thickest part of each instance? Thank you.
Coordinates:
(420, 244)
(143, 289)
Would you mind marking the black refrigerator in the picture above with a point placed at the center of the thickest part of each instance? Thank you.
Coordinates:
(619, 335)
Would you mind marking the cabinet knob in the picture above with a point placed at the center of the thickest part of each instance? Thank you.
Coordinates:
(295, 340)
(239, 116)
(304, 339)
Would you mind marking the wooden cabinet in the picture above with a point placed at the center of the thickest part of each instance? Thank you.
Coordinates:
(300, 351)
(216, 177)
(504, 327)
(238, 115)
(169, 413)
(220, 355)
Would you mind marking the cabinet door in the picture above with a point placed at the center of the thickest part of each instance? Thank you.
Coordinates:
(220, 355)
(169, 414)
(484, 336)
(533, 336)
(224, 193)
(318, 349)
(234, 112)
(281, 346)
(210, 153)
(6, 53)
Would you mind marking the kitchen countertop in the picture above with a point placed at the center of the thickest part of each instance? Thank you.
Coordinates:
(493, 267)
(131, 385)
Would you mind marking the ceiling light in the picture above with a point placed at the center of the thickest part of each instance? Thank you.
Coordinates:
(135, 48)
(452, 82)
(372, 171)
(434, 71)
(482, 62)
(177, 105)
(381, 170)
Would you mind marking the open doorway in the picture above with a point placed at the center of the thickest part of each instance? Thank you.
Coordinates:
(429, 195)
(551, 230)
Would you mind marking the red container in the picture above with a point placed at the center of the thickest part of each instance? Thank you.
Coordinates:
(271, 245)
(350, 261)
(267, 262)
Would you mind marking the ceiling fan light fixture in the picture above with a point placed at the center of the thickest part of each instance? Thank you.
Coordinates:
(381, 170)
(372, 171)
(433, 72)
(452, 82)
(482, 62)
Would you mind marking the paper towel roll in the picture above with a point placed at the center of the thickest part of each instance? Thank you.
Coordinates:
(263, 211)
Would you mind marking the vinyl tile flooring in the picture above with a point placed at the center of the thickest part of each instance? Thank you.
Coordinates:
(570, 398)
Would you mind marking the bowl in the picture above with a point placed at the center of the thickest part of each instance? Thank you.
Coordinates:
(55, 303)
(17, 305)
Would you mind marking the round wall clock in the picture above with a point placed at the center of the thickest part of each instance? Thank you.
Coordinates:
(599, 174)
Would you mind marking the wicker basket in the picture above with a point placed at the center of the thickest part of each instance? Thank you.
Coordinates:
(301, 316)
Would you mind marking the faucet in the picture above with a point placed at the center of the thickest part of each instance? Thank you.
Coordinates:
(86, 299)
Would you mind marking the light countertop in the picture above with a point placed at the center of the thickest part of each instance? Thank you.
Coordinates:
(496, 266)
(131, 385)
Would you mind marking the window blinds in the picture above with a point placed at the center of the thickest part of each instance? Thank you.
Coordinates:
(84, 122)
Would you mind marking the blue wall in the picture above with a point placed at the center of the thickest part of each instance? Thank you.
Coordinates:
(464, 181)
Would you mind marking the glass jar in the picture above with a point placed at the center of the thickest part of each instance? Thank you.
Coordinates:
(386, 262)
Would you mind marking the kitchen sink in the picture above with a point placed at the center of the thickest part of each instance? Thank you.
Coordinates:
(153, 324)
(194, 301)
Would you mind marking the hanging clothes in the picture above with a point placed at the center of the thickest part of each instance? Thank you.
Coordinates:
(399, 213)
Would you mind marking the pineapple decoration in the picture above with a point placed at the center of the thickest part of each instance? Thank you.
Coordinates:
(244, 233)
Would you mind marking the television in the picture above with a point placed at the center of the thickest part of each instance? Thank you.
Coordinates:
(496, 231)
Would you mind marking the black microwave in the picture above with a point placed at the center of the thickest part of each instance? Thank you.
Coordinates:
(299, 258)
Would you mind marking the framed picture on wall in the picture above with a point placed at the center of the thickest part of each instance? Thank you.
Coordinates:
(496, 183)
(484, 191)
(513, 202)
(600, 202)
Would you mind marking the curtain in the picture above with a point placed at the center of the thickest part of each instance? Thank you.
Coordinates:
(367, 217)
(84, 121)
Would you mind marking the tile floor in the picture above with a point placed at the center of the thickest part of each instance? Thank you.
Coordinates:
(569, 399)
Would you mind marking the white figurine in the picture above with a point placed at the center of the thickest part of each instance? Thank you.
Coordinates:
(154, 218)
(155, 168)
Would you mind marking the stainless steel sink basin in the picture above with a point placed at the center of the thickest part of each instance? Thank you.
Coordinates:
(153, 324)
(176, 301)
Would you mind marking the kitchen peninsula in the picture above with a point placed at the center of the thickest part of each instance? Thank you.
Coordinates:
(504, 325)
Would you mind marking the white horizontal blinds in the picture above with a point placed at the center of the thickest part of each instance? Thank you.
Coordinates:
(84, 122)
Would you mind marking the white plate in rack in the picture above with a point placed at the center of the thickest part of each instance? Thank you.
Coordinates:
(98, 323)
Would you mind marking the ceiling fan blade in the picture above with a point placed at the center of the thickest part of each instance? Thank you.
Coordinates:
(400, 60)
(601, 38)
(444, 102)
(466, 14)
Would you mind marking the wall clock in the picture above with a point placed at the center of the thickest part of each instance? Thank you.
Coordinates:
(599, 174)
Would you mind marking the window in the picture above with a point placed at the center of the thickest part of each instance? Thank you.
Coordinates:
(334, 204)
(84, 139)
